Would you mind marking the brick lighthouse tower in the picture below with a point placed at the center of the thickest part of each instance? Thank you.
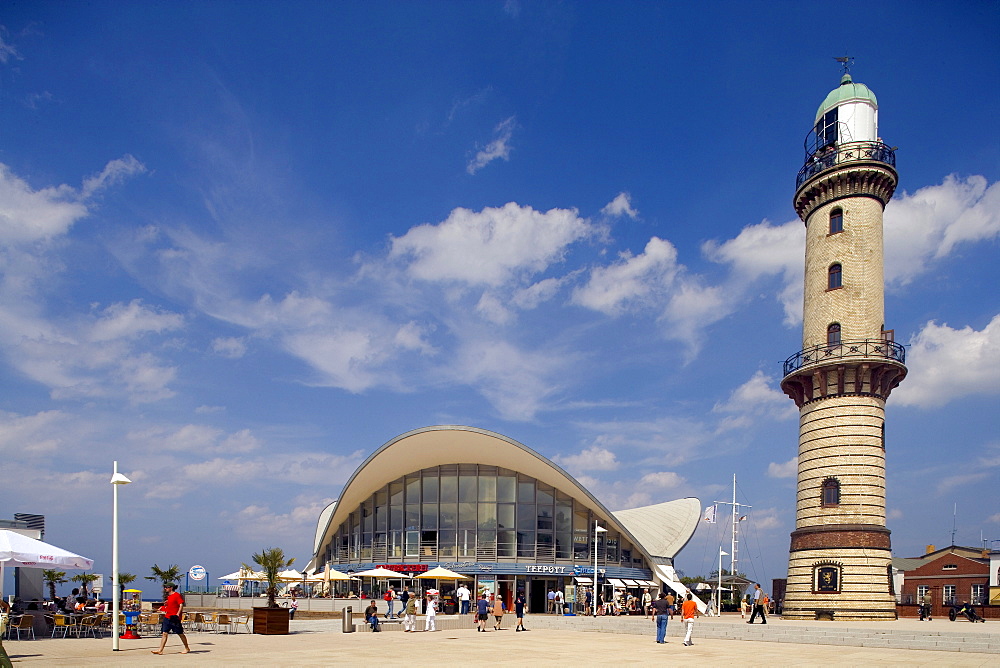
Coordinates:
(840, 561)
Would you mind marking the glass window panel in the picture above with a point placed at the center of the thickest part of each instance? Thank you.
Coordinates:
(382, 497)
(413, 490)
(506, 486)
(526, 543)
(368, 521)
(564, 545)
(430, 489)
(396, 544)
(544, 540)
(505, 516)
(446, 544)
(429, 516)
(449, 516)
(412, 516)
(467, 516)
(381, 518)
(545, 496)
(466, 543)
(525, 491)
(526, 517)
(544, 519)
(467, 488)
(487, 488)
(449, 489)
(581, 522)
(506, 544)
(488, 516)
(564, 518)
(396, 518)
(396, 493)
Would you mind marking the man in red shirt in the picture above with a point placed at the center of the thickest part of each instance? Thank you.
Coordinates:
(172, 608)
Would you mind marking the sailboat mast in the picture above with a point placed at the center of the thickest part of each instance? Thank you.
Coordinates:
(734, 544)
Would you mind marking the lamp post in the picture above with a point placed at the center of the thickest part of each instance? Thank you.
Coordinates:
(718, 591)
(117, 480)
(598, 529)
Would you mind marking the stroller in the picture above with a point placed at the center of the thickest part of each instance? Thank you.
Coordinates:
(967, 610)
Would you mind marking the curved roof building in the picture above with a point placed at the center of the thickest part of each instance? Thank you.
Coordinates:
(490, 508)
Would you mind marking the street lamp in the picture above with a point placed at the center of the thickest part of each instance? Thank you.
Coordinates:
(117, 480)
(598, 529)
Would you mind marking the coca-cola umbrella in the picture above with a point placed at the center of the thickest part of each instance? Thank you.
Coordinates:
(20, 551)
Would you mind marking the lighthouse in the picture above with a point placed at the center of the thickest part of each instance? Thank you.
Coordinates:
(840, 564)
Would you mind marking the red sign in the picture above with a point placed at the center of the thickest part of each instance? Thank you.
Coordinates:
(405, 568)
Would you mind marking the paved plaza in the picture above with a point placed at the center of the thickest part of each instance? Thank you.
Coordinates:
(553, 640)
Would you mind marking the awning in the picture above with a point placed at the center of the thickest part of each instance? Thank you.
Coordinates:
(583, 581)
(631, 583)
(617, 584)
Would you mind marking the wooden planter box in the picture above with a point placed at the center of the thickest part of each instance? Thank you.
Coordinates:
(270, 621)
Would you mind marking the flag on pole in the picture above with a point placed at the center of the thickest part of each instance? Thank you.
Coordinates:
(709, 514)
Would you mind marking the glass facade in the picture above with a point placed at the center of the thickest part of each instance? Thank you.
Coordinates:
(474, 513)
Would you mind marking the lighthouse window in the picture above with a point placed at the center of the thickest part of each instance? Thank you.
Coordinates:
(831, 493)
(826, 129)
(836, 277)
(833, 335)
(836, 221)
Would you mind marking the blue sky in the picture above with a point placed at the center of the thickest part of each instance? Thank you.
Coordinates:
(244, 244)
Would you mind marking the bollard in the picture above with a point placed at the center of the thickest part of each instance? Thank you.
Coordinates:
(348, 613)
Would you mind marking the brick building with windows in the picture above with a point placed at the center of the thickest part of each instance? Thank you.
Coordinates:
(952, 575)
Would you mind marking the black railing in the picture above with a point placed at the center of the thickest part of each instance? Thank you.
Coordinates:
(833, 156)
(877, 348)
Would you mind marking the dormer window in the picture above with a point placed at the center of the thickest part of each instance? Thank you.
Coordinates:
(836, 221)
(835, 277)
(949, 567)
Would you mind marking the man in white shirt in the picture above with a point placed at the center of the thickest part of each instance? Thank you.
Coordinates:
(463, 596)
(559, 602)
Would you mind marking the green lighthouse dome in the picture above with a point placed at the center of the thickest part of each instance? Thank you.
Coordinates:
(847, 91)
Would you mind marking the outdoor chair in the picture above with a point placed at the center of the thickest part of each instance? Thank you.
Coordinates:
(89, 626)
(207, 622)
(23, 624)
(223, 622)
(61, 624)
(242, 620)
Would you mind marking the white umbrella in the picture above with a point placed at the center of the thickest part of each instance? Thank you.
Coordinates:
(379, 573)
(442, 573)
(22, 552)
(291, 575)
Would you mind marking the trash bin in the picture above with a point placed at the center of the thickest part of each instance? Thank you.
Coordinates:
(348, 613)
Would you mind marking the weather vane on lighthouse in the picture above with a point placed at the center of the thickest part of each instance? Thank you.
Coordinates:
(846, 61)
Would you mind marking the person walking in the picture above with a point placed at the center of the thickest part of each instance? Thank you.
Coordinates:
(759, 600)
(172, 608)
(430, 614)
(498, 610)
(519, 611)
(404, 596)
(660, 613)
(482, 613)
(410, 614)
(925, 607)
(689, 610)
(390, 598)
(647, 598)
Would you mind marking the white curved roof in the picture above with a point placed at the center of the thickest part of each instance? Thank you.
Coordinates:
(665, 528)
(455, 444)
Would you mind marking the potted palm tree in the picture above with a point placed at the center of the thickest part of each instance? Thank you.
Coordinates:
(271, 620)
(52, 578)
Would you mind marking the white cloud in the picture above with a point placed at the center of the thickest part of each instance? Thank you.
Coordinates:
(767, 518)
(789, 469)
(946, 364)
(489, 247)
(122, 321)
(229, 346)
(894, 514)
(757, 398)
(113, 173)
(347, 358)
(670, 441)
(634, 281)
(241, 441)
(691, 309)
(22, 435)
(767, 250)
(499, 148)
(994, 519)
(663, 479)
(260, 523)
(28, 215)
(594, 458)
(8, 51)
(620, 206)
(929, 224)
